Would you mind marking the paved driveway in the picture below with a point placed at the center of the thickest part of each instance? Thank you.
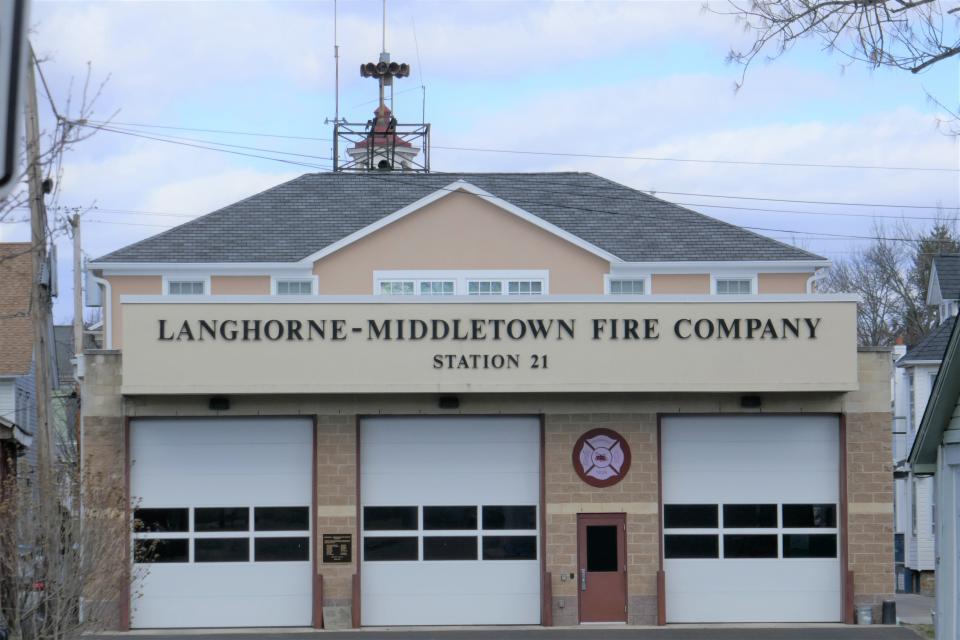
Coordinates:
(809, 632)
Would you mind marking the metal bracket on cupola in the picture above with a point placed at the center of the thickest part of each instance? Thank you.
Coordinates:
(382, 143)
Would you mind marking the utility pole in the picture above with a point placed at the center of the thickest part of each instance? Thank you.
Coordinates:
(77, 285)
(40, 294)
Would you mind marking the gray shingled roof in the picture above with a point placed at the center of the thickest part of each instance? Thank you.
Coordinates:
(293, 220)
(932, 347)
(948, 275)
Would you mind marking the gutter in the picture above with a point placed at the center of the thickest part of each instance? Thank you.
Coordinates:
(817, 276)
(107, 308)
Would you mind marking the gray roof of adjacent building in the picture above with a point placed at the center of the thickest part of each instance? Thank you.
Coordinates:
(294, 220)
(932, 347)
(948, 275)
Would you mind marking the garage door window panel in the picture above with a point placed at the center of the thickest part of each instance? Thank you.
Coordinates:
(686, 546)
(450, 548)
(161, 520)
(750, 516)
(809, 516)
(221, 550)
(809, 545)
(281, 518)
(690, 516)
(510, 547)
(509, 517)
(450, 518)
(161, 550)
(208, 519)
(390, 519)
(281, 549)
(740, 545)
(390, 548)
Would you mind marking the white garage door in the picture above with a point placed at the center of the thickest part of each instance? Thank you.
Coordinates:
(751, 506)
(222, 522)
(450, 521)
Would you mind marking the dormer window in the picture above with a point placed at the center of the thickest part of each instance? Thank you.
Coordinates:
(480, 282)
(734, 285)
(297, 287)
(186, 287)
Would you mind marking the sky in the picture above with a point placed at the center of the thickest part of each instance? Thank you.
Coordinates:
(640, 79)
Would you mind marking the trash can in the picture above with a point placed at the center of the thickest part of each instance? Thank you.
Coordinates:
(865, 614)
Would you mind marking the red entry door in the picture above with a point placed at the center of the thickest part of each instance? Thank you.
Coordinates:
(602, 567)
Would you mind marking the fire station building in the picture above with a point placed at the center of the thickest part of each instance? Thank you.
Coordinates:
(411, 398)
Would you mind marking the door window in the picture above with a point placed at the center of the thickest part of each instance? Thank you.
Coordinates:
(601, 548)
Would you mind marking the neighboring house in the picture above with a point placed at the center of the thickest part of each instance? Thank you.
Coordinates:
(913, 381)
(18, 414)
(936, 452)
(66, 397)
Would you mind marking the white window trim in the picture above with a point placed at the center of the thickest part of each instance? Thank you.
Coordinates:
(752, 277)
(460, 278)
(646, 277)
(314, 280)
(186, 277)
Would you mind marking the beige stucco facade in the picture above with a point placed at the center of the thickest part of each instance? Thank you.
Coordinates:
(461, 232)
(680, 284)
(240, 285)
(773, 283)
(125, 286)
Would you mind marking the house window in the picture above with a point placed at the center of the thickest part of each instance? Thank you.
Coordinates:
(627, 287)
(436, 288)
(294, 287)
(21, 410)
(734, 286)
(484, 288)
(913, 506)
(911, 401)
(524, 287)
(185, 287)
(397, 288)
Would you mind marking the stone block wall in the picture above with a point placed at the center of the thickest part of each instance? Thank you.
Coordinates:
(103, 462)
(870, 482)
(636, 496)
(337, 511)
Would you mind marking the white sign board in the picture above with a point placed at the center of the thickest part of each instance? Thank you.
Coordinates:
(13, 56)
(269, 347)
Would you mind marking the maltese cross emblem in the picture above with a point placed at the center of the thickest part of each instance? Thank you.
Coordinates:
(601, 457)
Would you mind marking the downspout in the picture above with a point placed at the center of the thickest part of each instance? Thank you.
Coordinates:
(107, 308)
(818, 275)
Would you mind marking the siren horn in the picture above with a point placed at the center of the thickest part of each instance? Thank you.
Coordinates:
(404, 70)
(394, 68)
(368, 69)
(382, 68)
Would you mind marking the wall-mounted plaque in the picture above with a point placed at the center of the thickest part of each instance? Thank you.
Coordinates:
(337, 547)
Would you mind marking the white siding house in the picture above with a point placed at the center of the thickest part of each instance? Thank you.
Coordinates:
(936, 452)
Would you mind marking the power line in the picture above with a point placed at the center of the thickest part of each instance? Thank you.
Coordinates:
(809, 165)
(654, 192)
(224, 144)
(814, 165)
(840, 204)
(197, 146)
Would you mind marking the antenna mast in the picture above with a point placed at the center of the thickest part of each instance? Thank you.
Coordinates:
(336, 67)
